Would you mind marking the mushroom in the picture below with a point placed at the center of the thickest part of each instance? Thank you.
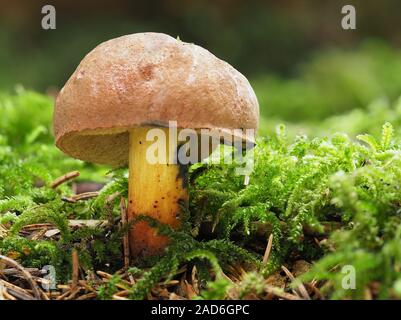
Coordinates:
(130, 85)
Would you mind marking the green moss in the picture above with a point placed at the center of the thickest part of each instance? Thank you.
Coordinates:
(331, 200)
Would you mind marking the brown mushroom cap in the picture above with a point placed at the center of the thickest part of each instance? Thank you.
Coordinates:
(147, 79)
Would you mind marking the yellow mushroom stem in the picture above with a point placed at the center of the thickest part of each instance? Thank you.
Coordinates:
(157, 190)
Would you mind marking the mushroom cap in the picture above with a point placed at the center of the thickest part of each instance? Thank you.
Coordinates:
(147, 79)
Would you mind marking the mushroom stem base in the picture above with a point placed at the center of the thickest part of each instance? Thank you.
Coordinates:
(157, 190)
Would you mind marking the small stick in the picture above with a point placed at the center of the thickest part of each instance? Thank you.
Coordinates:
(81, 196)
(7, 284)
(8, 296)
(26, 274)
(87, 296)
(123, 293)
(316, 291)
(280, 293)
(174, 296)
(115, 297)
(301, 287)
(85, 195)
(124, 221)
(19, 295)
(194, 278)
(44, 295)
(53, 294)
(36, 226)
(124, 284)
(104, 274)
(86, 286)
(73, 293)
(38, 234)
(75, 269)
(13, 272)
(67, 199)
(268, 249)
(131, 279)
(171, 283)
(64, 295)
(16, 291)
(87, 223)
(60, 180)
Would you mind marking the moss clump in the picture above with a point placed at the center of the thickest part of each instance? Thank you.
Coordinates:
(334, 201)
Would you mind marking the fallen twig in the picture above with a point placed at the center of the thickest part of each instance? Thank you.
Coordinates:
(301, 288)
(16, 272)
(22, 292)
(75, 269)
(268, 249)
(87, 223)
(64, 178)
(280, 293)
(25, 273)
(81, 196)
(6, 295)
(87, 296)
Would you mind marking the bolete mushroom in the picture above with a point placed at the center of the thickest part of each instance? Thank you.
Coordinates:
(129, 85)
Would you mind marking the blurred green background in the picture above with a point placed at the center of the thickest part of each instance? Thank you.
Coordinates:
(303, 65)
